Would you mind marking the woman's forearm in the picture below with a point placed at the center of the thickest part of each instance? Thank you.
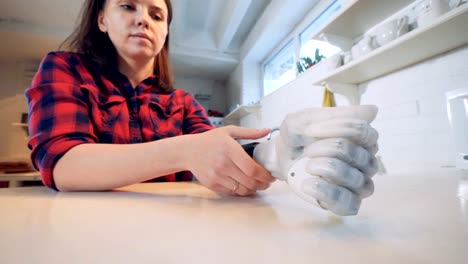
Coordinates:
(95, 167)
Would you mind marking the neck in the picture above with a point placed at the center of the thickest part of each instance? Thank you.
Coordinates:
(136, 70)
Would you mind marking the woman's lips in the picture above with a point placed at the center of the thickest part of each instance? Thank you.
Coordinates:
(141, 35)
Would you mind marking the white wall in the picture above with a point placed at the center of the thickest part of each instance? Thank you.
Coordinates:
(242, 85)
(252, 79)
(234, 87)
(208, 87)
(412, 122)
(13, 139)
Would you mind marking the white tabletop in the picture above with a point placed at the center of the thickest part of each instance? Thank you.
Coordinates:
(410, 219)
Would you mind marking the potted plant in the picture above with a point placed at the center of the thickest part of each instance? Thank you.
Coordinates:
(306, 62)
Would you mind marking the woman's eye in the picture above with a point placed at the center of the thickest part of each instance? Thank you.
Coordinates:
(156, 17)
(126, 7)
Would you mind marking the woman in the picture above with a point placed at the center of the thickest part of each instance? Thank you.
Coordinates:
(106, 115)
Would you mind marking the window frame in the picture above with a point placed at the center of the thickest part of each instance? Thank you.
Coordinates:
(285, 48)
(294, 36)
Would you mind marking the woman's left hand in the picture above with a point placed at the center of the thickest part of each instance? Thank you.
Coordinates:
(219, 162)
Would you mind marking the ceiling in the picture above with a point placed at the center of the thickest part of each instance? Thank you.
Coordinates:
(208, 37)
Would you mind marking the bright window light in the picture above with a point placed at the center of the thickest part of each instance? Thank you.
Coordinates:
(326, 49)
(280, 69)
(308, 45)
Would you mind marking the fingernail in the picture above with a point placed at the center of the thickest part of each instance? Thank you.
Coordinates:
(263, 186)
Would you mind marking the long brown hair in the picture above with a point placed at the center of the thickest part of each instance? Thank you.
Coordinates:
(87, 39)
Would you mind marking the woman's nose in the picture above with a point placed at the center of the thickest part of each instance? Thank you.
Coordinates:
(142, 19)
(142, 23)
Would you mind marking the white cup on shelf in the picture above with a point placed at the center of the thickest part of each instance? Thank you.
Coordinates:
(455, 3)
(391, 30)
(427, 11)
(364, 46)
(347, 57)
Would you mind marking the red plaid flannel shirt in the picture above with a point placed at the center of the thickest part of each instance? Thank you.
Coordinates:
(73, 101)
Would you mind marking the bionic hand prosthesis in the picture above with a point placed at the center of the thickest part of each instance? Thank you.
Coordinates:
(326, 155)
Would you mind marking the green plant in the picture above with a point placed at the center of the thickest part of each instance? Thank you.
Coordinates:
(306, 62)
(318, 56)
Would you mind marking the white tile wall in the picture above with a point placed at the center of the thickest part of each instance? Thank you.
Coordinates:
(414, 130)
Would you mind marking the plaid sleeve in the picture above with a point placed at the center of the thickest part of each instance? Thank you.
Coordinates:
(58, 113)
(196, 119)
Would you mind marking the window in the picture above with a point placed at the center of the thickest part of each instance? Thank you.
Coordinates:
(308, 45)
(280, 69)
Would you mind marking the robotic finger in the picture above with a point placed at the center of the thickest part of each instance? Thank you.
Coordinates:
(316, 190)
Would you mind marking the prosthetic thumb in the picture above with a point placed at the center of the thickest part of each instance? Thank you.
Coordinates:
(266, 155)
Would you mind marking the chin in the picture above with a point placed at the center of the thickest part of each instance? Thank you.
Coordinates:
(141, 55)
(139, 51)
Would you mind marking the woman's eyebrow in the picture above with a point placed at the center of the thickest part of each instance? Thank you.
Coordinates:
(157, 9)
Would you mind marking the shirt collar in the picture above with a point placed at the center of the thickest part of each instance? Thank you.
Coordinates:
(152, 82)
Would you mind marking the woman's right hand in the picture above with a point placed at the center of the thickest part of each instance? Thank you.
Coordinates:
(220, 163)
(326, 155)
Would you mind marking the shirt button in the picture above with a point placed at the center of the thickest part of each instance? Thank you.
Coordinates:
(132, 116)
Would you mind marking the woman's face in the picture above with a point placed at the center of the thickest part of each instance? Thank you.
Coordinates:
(137, 28)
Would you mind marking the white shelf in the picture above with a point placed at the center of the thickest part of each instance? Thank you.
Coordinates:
(447, 33)
(20, 124)
(20, 176)
(240, 112)
(357, 16)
